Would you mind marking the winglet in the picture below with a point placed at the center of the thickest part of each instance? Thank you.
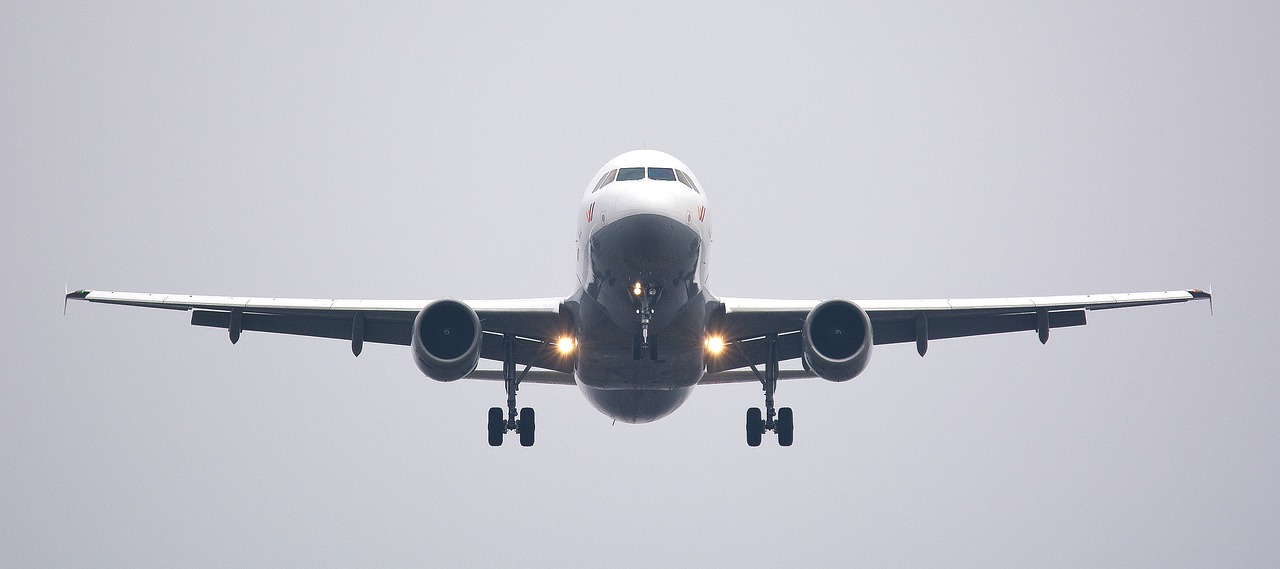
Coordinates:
(79, 295)
(1197, 294)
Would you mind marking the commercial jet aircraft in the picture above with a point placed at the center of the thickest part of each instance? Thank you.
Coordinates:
(642, 329)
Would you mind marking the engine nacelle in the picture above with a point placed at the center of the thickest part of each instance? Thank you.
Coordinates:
(446, 340)
(837, 340)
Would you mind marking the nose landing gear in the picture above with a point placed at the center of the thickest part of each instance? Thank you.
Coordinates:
(646, 295)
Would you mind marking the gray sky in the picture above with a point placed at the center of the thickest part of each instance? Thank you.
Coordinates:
(422, 151)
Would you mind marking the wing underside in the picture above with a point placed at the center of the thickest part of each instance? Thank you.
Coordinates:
(747, 322)
(532, 322)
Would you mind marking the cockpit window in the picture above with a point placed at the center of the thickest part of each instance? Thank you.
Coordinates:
(662, 174)
(684, 179)
(627, 174)
(604, 180)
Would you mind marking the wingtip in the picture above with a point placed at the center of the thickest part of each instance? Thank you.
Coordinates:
(1197, 294)
(76, 294)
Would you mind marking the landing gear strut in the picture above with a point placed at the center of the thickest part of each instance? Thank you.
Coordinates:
(520, 423)
(779, 421)
(642, 342)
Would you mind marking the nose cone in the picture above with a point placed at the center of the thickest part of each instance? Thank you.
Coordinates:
(648, 196)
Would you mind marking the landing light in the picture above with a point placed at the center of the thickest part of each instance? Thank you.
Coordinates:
(565, 344)
(715, 345)
(638, 289)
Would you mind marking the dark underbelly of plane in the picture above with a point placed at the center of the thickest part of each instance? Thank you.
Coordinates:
(621, 375)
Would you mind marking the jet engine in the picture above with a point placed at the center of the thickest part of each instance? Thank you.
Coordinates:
(446, 340)
(837, 340)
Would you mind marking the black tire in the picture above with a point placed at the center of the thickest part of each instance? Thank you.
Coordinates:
(526, 427)
(755, 426)
(786, 427)
(497, 426)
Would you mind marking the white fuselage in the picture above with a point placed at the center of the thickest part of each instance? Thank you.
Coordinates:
(641, 312)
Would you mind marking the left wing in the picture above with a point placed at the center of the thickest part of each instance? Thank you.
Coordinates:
(747, 321)
(534, 322)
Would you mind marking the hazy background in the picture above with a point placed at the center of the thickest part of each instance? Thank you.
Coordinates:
(410, 151)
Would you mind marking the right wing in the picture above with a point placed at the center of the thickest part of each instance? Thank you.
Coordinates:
(533, 322)
(746, 321)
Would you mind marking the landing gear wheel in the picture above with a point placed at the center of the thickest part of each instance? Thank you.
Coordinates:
(755, 426)
(786, 427)
(525, 426)
(497, 426)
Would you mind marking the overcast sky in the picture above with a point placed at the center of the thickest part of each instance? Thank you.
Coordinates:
(335, 150)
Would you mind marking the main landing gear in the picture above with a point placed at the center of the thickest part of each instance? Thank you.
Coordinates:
(779, 421)
(521, 423)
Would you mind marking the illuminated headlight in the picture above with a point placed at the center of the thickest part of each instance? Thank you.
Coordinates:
(565, 344)
(715, 345)
(638, 289)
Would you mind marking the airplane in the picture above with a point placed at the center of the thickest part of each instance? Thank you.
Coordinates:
(642, 329)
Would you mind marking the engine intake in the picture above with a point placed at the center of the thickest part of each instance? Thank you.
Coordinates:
(446, 340)
(837, 340)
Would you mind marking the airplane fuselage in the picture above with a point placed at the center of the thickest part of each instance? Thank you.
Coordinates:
(642, 306)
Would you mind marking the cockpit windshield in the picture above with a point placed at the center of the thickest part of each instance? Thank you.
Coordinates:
(627, 174)
(660, 174)
(664, 174)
